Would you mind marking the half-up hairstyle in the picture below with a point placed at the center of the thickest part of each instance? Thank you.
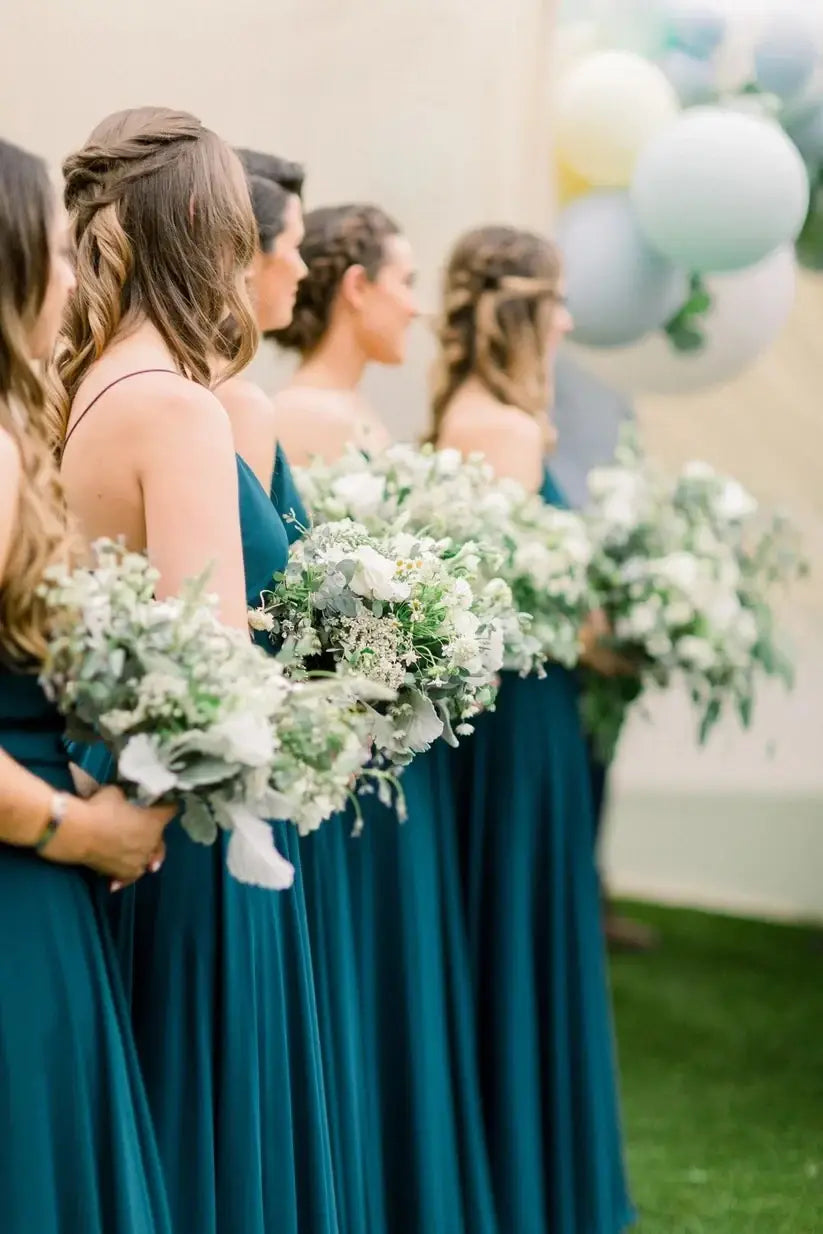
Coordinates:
(41, 535)
(272, 181)
(337, 238)
(163, 229)
(500, 290)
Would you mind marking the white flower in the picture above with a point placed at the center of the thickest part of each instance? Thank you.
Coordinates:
(734, 503)
(374, 577)
(361, 492)
(680, 568)
(405, 544)
(244, 738)
(696, 652)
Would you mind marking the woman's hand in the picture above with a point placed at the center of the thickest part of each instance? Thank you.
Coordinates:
(111, 836)
(596, 655)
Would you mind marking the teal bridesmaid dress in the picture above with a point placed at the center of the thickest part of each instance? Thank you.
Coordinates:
(394, 986)
(547, 1058)
(355, 1146)
(225, 1017)
(78, 1154)
(417, 1011)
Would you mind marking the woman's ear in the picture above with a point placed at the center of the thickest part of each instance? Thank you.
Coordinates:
(353, 286)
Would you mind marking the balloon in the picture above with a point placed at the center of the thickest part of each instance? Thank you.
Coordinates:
(572, 42)
(693, 79)
(804, 124)
(696, 27)
(719, 190)
(749, 309)
(617, 286)
(568, 184)
(608, 107)
(785, 56)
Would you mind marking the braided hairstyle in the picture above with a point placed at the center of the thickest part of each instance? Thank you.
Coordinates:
(42, 535)
(272, 181)
(337, 238)
(164, 231)
(500, 289)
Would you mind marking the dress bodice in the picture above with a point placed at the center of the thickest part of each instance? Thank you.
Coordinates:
(265, 540)
(551, 492)
(286, 498)
(31, 728)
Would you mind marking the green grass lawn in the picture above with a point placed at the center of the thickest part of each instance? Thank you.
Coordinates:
(721, 1046)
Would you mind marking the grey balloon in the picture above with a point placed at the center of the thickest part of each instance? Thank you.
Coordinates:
(619, 288)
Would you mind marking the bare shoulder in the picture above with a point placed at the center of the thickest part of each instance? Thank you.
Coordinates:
(313, 423)
(328, 406)
(510, 439)
(253, 424)
(243, 397)
(173, 404)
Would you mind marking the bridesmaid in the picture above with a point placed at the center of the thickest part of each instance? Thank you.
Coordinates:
(276, 273)
(223, 1004)
(523, 792)
(354, 308)
(78, 1155)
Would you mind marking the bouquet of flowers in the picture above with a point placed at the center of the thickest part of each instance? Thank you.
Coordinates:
(683, 570)
(406, 612)
(540, 553)
(195, 714)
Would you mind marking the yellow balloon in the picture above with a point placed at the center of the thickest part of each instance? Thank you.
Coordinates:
(608, 107)
(568, 184)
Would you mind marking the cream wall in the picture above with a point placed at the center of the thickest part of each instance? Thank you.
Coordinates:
(438, 109)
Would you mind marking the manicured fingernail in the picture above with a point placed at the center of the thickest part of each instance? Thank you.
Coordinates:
(155, 865)
(115, 887)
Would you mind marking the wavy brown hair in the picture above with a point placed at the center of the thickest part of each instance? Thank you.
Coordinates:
(41, 534)
(164, 230)
(499, 292)
(337, 238)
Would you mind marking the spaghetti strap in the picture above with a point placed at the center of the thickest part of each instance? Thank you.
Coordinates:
(137, 373)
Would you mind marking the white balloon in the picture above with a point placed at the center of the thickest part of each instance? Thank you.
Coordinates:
(609, 106)
(571, 43)
(749, 309)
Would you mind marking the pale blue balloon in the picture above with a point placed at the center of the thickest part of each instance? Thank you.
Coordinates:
(719, 190)
(692, 78)
(696, 29)
(804, 124)
(785, 56)
(618, 287)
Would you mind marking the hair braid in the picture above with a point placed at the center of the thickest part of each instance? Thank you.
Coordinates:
(337, 237)
(499, 287)
(163, 229)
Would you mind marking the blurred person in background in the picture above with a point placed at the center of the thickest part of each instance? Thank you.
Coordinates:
(419, 1052)
(522, 789)
(589, 418)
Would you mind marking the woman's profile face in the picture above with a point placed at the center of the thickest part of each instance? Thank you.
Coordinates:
(275, 275)
(389, 305)
(59, 287)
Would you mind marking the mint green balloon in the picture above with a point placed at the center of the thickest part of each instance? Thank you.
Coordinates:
(719, 190)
